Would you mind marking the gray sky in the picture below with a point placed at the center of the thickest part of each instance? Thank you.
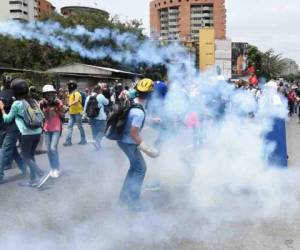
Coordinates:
(265, 23)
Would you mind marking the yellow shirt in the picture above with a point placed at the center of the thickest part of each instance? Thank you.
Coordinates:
(75, 108)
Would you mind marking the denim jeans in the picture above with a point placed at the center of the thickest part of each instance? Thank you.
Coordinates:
(98, 128)
(28, 147)
(9, 151)
(52, 139)
(72, 120)
(132, 186)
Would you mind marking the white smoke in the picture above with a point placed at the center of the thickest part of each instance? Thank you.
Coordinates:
(228, 180)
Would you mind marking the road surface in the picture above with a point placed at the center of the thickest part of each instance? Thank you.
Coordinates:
(80, 211)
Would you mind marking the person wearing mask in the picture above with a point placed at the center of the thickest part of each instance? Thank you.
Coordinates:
(133, 145)
(9, 133)
(94, 108)
(75, 112)
(53, 111)
(20, 110)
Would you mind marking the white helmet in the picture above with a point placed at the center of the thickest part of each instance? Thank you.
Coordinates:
(272, 84)
(48, 88)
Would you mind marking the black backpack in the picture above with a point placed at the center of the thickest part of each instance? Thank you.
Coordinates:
(92, 108)
(117, 120)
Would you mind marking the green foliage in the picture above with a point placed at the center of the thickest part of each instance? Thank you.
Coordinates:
(25, 54)
(272, 64)
(268, 64)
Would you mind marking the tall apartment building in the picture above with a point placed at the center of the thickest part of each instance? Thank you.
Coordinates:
(182, 19)
(25, 10)
(45, 8)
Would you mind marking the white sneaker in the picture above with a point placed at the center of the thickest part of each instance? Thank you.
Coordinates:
(55, 174)
(52, 173)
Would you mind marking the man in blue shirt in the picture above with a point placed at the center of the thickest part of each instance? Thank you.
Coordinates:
(98, 123)
(132, 145)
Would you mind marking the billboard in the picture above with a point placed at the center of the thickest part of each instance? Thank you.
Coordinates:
(240, 58)
(206, 48)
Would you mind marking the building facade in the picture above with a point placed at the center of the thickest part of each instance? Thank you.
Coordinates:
(182, 19)
(290, 67)
(23, 10)
(223, 57)
(69, 10)
(45, 8)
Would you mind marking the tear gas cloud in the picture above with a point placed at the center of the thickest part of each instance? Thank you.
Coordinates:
(228, 180)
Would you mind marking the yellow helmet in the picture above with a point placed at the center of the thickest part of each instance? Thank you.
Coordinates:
(145, 85)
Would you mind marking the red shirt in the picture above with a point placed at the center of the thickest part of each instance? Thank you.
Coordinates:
(53, 121)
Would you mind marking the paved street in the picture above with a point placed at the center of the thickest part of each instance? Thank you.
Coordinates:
(79, 211)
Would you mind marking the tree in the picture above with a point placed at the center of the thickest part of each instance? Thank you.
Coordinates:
(255, 59)
(267, 64)
(272, 65)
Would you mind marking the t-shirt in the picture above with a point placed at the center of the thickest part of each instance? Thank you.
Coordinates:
(76, 108)
(53, 122)
(136, 119)
(16, 113)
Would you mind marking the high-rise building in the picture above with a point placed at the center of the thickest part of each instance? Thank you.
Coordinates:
(45, 8)
(24, 10)
(182, 19)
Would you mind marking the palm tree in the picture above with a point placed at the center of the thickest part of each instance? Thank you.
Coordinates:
(272, 64)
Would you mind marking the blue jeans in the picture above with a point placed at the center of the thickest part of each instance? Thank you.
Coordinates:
(98, 128)
(72, 120)
(132, 186)
(52, 139)
(9, 151)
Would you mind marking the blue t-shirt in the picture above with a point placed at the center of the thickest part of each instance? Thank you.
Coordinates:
(136, 119)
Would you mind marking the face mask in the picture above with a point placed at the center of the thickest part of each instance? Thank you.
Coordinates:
(50, 98)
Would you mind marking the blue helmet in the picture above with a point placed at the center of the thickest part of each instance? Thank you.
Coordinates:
(160, 88)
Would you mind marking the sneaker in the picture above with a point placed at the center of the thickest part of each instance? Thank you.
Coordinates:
(51, 173)
(33, 183)
(67, 144)
(82, 143)
(55, 173)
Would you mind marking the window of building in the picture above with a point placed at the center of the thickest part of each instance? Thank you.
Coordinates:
(15, 2)
(25, 12)
(15, 11)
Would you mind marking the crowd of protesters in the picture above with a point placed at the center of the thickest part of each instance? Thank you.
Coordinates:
(26, 118)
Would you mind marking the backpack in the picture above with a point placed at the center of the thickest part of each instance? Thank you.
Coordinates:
(92, 108)
(33, 117)
(117, 120)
